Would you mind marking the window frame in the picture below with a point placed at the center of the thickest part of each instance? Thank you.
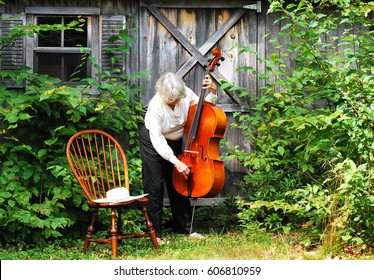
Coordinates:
(93, 35)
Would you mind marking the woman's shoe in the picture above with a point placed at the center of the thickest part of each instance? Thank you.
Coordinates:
(197, 235)
(160, 241)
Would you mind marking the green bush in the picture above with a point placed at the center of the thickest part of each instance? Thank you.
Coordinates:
(312, 128)
(39, 199)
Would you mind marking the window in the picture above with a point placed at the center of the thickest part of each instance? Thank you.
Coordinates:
(59, 53)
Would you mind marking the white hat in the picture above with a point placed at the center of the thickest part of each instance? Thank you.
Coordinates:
(118, 194)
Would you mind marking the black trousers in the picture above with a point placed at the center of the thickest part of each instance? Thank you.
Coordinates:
(157, 173)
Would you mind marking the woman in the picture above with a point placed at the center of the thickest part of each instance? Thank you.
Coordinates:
(161, 142)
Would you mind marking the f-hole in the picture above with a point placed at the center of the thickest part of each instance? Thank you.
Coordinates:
(203, 157)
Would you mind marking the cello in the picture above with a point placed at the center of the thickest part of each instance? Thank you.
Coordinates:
(205, 127)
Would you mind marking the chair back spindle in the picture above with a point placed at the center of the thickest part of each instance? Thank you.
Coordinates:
(98, 163)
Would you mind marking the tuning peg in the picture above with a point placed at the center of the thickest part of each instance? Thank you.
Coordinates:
(222, 58)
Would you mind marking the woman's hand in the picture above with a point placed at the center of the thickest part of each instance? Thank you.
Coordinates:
(209, 84)
(182, 168)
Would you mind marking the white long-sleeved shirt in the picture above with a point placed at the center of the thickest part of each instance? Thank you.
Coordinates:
(163, 122)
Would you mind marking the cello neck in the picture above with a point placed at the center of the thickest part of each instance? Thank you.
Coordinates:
(196, 120)
(200, 104)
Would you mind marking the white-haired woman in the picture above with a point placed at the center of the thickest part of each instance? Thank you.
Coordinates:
(161, 142)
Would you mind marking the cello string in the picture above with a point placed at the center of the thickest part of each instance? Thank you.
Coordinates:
(193, 215)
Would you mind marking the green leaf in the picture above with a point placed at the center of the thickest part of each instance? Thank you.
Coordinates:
(46, 95)
(286, 229)
(42, 153)
(25, 116)
(3, 86)
(22, 147)
(286, 26)
(27, 174)
(12, 117)
(51, 141)
(281, 150)
(5, 194)
(11, 203)
(346, 237)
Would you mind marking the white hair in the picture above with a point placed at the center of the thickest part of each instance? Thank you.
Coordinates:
(170, 87)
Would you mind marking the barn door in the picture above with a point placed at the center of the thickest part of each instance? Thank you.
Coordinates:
(179, 37)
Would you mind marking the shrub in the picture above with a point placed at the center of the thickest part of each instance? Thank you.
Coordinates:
(39, 199)
(312, 129)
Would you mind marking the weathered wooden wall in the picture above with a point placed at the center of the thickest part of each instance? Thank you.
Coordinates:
(178, 36)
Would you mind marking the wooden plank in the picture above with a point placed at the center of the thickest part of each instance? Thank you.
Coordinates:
(271, 47)
(167, 46)
(252, 59)
(58, 50)
(95, 46)
(261, 67)
(63, 11)
(196, 4)
(141, 57)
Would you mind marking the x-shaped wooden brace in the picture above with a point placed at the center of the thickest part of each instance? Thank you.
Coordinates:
(198, 54)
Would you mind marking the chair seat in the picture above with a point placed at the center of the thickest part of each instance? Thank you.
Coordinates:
(135, 203)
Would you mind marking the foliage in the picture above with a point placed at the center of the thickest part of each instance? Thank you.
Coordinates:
(39, 199)
(312, 128)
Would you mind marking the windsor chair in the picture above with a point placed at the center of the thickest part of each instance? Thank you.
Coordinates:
(99, 164)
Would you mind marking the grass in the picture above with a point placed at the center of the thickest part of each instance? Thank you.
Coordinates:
(229, 246)
(223, 241)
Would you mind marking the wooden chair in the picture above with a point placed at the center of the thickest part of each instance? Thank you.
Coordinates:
(99, 165)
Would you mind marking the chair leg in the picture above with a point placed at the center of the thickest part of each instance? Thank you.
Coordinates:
(152, 232)
(113, 233)
(90, 230)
